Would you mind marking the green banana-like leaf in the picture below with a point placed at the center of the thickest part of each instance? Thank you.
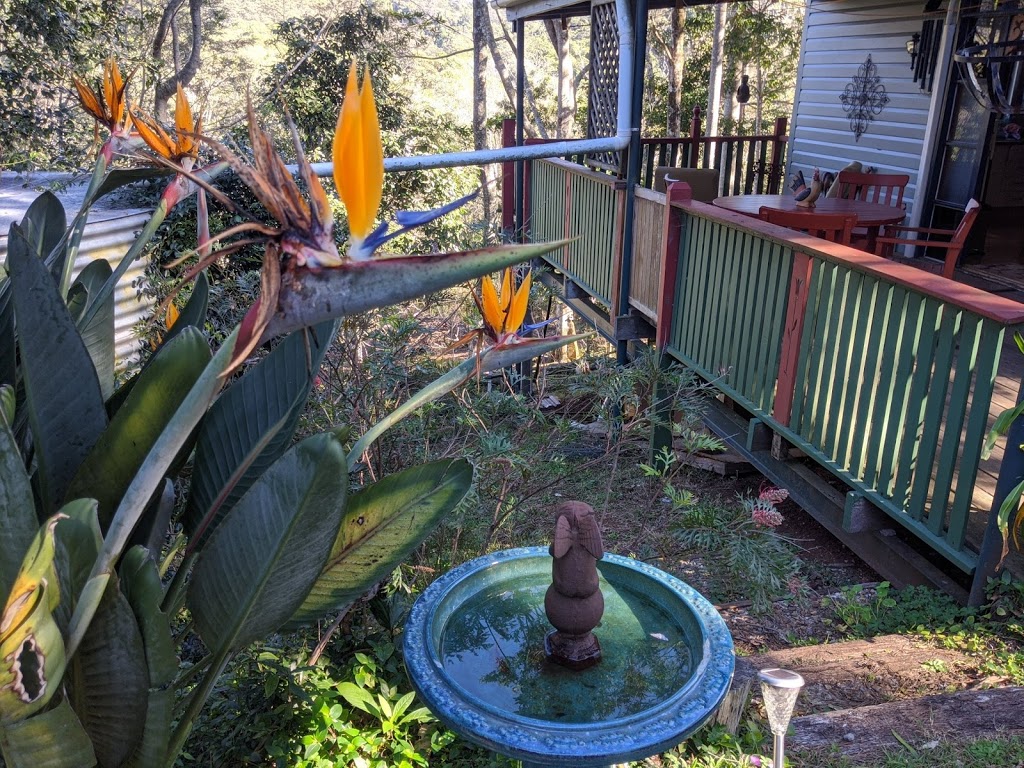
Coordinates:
(8, 344)
(261, 561)
(78, 542)
(383, 524)
(112, 464)
(18, 522)
(147, 481)
(489, 360)
(51, 739)
(140, 583)
(32, 658)
(62, 393)
(107, 680)
(194, 311)
(151, 532)
(250, 426)
(98, 335)
(120, 177)
(308, 298)
(44, 225)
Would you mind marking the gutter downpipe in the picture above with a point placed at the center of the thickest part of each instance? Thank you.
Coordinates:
(520, 167)
(632, 171)
(615, 143)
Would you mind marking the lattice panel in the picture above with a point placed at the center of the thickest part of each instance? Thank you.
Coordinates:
(602, 107)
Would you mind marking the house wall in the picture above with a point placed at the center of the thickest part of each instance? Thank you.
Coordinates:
(838, 36)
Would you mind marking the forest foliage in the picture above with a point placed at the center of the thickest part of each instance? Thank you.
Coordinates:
(294, 53)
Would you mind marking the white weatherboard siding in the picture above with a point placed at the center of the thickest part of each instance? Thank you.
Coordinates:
(838, 36)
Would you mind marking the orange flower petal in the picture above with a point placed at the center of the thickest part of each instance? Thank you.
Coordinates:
(507, 291)
(517, 310)
(156, 138)
(358, 156)
(493, 317)
(90, 102)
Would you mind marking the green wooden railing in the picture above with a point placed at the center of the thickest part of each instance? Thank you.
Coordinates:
(568, 200)
(882, 373)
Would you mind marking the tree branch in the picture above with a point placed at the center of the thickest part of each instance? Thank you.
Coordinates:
(166, 88)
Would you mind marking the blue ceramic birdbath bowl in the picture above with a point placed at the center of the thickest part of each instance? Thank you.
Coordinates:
(474, 647)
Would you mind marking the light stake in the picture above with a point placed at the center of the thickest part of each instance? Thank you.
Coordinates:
(779, 687)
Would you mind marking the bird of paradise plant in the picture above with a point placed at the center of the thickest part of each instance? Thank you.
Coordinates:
(273, 536)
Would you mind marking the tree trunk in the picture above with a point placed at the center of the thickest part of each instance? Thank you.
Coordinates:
(676, 66)
(184, 73)
(480, 11)
(536, 128)
(558, 33)
(717, 71)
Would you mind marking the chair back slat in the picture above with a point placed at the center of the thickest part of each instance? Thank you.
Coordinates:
(835, 227)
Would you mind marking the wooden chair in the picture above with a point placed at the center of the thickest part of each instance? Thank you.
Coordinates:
(950, 240)
(882, 188)
(834, 227)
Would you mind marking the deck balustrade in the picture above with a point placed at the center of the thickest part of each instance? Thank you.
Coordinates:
(880, 372)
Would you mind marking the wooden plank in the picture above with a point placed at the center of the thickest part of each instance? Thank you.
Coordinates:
(782, 260)
(878, 337)
(863, 378)
(952, 425)
(937, 386)
(842, 383)
(792, 335)
(804, 366)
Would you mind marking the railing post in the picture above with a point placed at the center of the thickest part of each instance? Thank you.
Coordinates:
(671, 239)
(792, 333)
(508, 181)
(779, 138)
(695, 137)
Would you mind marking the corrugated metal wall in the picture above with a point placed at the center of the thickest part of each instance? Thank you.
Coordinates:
(839, 34)
(110, 239)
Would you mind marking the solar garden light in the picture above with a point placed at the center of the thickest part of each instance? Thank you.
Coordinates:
(779, 687)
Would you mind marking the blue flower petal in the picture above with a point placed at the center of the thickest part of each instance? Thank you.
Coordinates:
(409, 219)
(530, 328)
(377, 238)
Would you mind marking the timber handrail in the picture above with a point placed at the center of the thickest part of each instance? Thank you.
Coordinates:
(991, 306)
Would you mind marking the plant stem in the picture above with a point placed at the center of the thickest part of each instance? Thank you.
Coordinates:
(195, 704)
(177, 586)
(186, 677)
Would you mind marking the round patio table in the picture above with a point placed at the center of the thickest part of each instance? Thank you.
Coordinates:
(869, 215)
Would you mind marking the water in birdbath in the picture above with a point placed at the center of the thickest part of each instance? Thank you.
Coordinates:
(492, 648)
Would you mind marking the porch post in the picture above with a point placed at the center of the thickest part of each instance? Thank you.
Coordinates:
(520, 225)
(1011, 471)
(778, 147)
(508, 180)
(695, 136)
(671, 238)
(632, 169)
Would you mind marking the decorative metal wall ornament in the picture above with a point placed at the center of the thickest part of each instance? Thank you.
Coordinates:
(864, 98)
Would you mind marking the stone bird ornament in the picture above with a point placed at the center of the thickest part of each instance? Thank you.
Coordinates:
(806, 197)
(574, 603)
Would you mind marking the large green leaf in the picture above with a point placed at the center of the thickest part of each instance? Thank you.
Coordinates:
(18, 522)
(383, 524)
(44, 225)
(63, 398)
(98, 335)
(52, 739)
(308, 298)
(194, 311)
(8, 344)
(78, 542)
(107, 680)
(140, 583)
(120, 177)
(263, 558)
(32, 654)
(250, 426)
(110, 467)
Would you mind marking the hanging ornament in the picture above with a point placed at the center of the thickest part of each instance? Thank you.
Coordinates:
(743, 90)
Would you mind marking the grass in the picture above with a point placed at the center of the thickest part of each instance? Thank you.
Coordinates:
(984, 753)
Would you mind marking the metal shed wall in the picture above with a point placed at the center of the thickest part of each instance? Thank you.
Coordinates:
(110, 239)
(838, 36)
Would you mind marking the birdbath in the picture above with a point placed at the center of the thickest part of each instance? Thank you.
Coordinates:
(475, 651)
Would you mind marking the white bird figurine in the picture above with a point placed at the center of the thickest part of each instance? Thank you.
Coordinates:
(806, 197)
